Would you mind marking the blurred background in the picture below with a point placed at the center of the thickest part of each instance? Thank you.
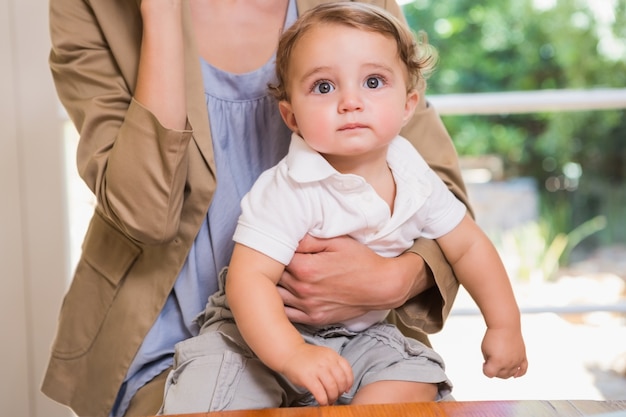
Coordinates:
(533, 93)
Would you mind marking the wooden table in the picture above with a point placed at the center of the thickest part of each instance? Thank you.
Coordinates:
(560, 408)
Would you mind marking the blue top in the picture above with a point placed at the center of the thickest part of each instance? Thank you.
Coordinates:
(249, 137)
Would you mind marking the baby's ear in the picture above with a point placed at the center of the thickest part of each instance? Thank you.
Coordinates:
(286, 112)
(412, 98)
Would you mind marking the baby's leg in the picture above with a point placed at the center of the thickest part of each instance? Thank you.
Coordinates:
(386, 392)
(215, 371)
(390, 368)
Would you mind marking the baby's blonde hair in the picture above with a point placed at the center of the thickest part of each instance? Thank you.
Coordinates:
(418, 56)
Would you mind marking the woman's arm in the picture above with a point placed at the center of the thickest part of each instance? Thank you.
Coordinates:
(131, 155)
(160, 88)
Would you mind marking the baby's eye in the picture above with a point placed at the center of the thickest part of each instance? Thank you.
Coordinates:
(374, 82)
(323, 87)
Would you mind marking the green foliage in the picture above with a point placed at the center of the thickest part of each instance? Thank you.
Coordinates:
(540, 251)
(517, 45)
(522, 45)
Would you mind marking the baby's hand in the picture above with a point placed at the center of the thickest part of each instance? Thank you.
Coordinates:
(320, 370)
(504, 353)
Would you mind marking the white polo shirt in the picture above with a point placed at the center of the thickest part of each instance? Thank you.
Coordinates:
(304, 194)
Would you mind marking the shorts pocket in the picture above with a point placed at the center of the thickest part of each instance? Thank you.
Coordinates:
(202, 382)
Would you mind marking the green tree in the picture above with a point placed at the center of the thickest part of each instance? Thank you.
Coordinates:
(523, 45)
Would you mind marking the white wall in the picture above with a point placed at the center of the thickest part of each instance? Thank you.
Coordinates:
(33, 233)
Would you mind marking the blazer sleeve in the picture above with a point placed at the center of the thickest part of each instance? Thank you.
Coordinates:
(136, 168)
(427, 311)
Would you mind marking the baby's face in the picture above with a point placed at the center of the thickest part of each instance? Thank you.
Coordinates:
(348, 90)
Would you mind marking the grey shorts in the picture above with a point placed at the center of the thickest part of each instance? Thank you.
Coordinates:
(217, 371)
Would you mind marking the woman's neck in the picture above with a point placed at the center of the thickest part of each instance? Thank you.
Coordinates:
(238, 36)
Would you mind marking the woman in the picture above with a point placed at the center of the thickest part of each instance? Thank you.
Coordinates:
(141, 80)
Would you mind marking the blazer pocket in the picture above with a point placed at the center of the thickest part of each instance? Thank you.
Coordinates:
(106, 258)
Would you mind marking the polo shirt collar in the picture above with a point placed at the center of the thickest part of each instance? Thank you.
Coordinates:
(305, 164)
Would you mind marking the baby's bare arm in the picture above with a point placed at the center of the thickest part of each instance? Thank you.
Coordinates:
(480, 270)
(260, 316)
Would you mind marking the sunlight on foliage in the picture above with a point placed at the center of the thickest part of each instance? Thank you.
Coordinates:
(531, 254)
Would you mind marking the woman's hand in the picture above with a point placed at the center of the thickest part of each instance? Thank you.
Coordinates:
(333, 280)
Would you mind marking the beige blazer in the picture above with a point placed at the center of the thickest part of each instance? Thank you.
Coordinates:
(153, 188)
